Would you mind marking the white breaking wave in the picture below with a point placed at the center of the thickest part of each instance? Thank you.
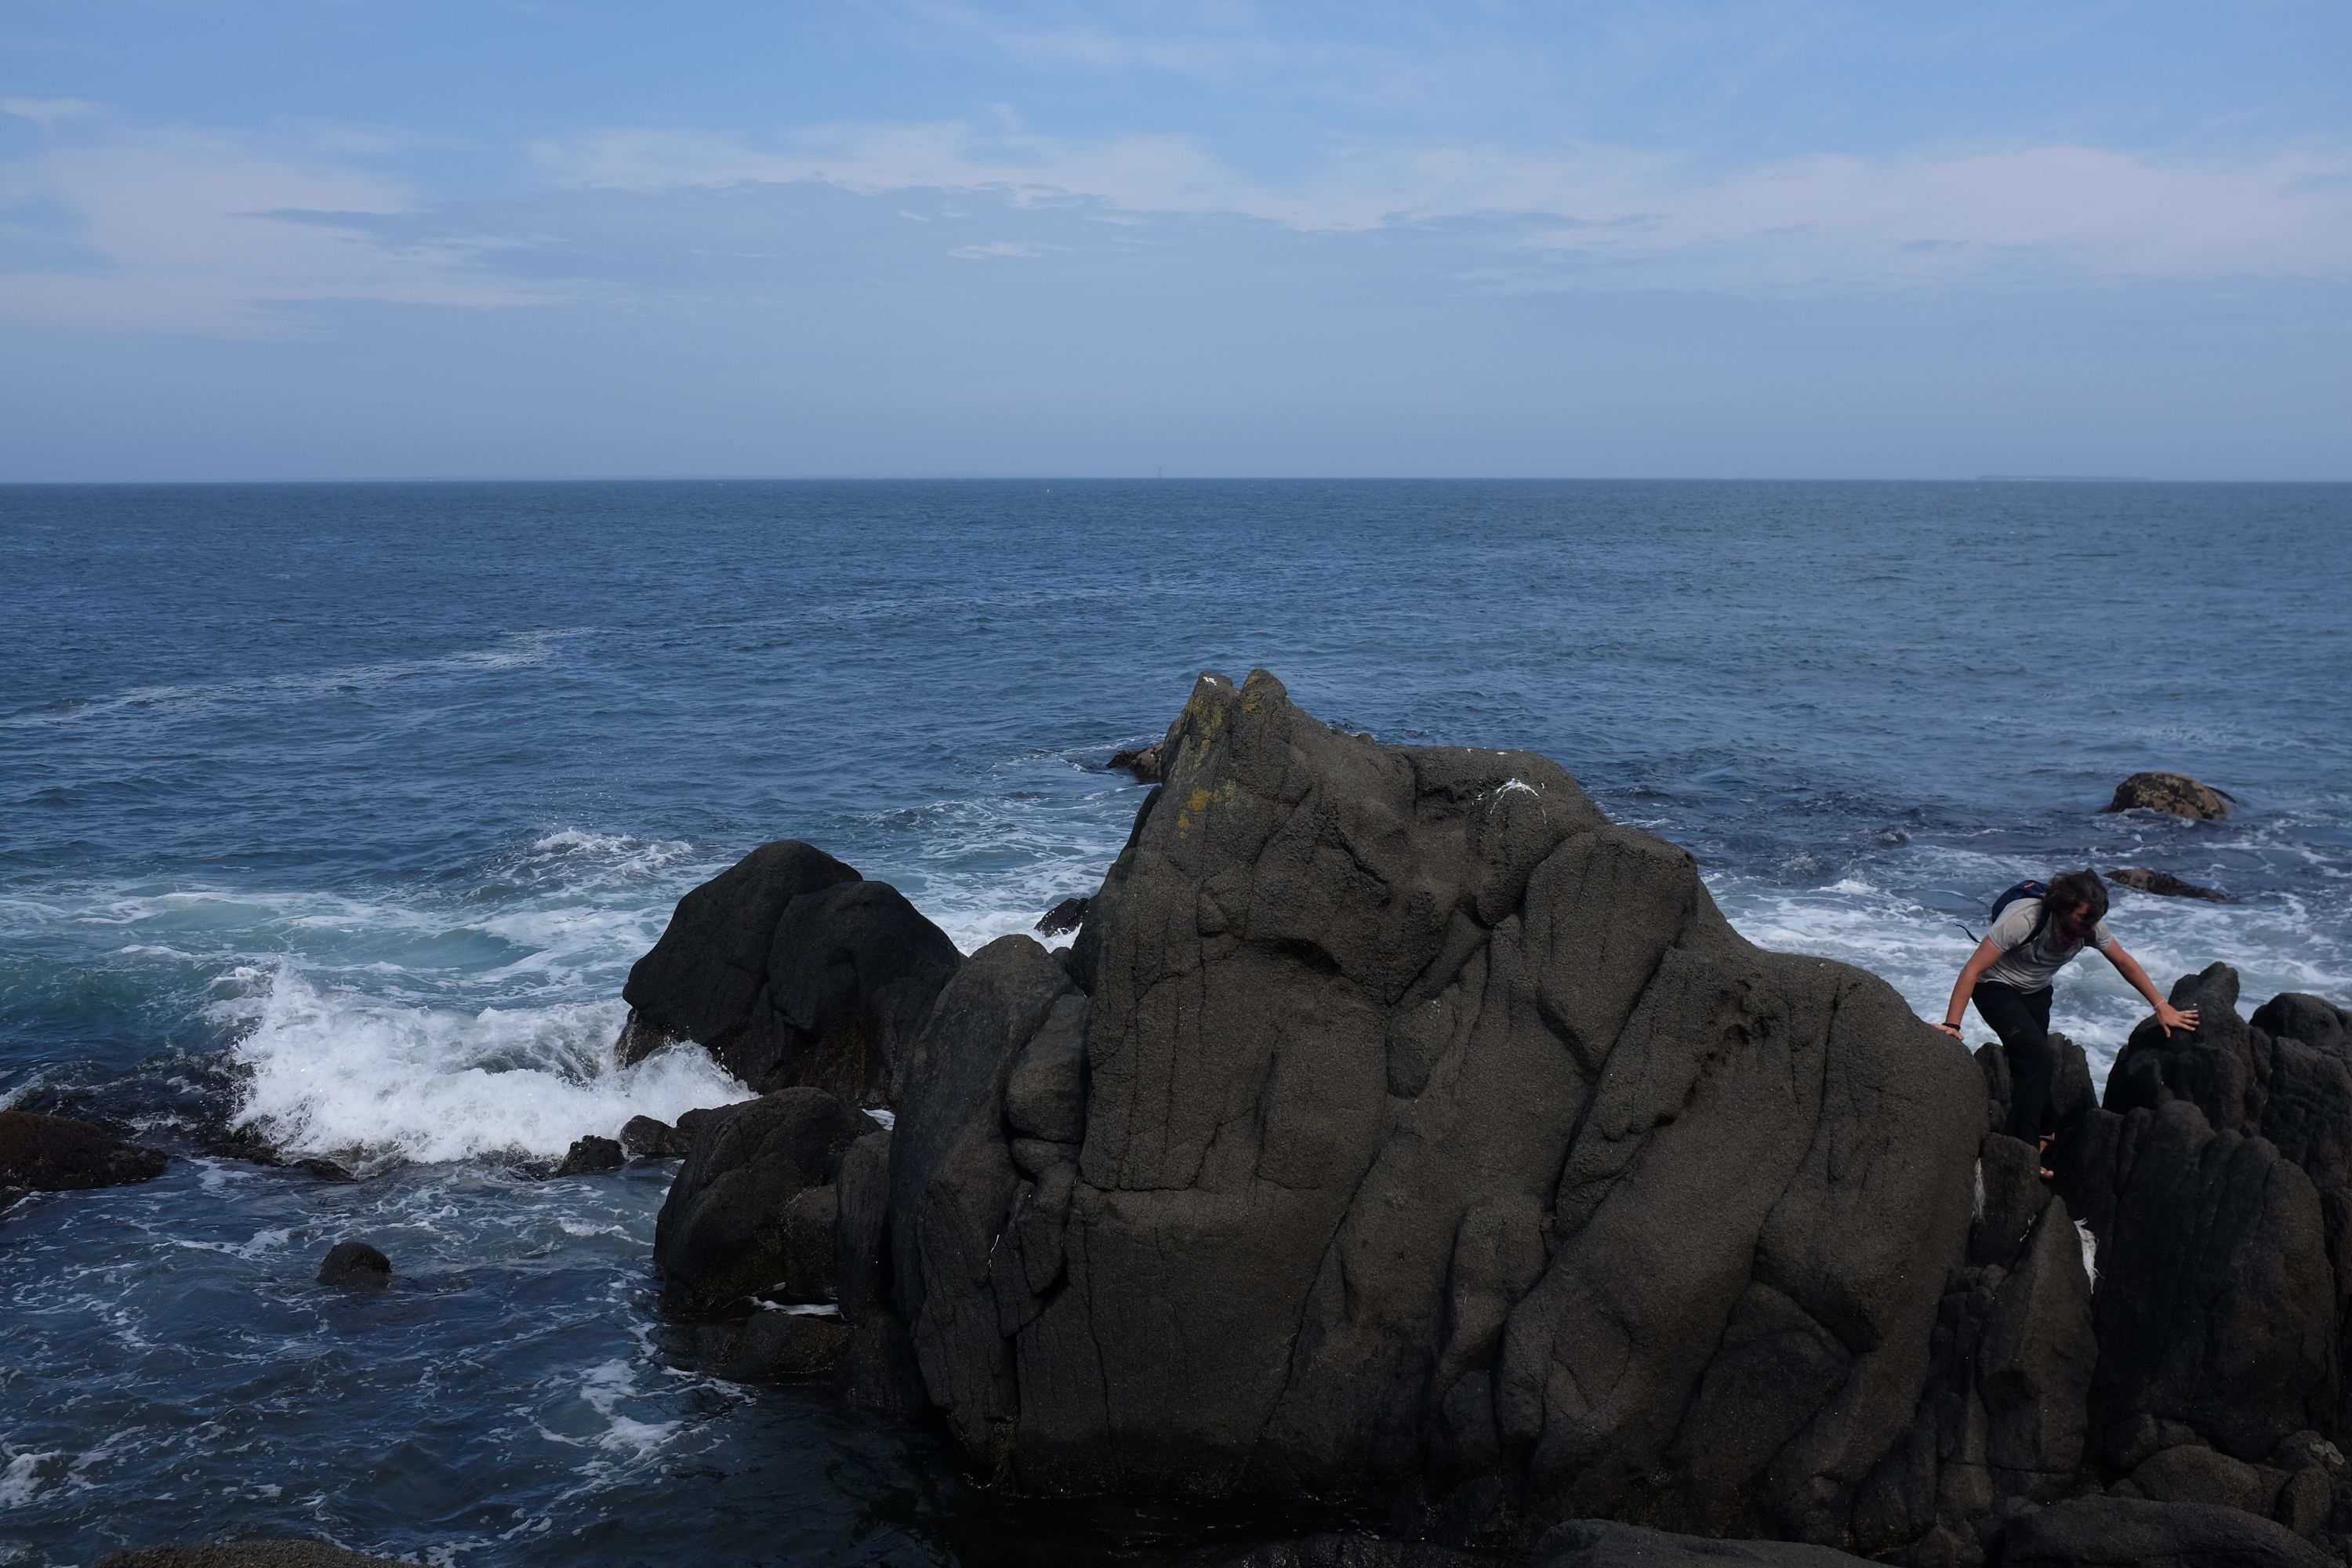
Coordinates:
(334, 1071)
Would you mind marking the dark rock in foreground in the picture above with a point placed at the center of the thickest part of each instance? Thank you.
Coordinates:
(724, 1236)
(592, 1156)
(355, 1266)
(2116, 1531)
(1603, 1543)
(2164, 885)
(791, 969)
(1409, 1124)
(56, 1154)
(2176, 794)
(248, 1554)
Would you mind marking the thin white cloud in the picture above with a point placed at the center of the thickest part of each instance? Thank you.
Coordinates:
(183, 231)
(49, 114)
(1905, 217)
(1000, 249)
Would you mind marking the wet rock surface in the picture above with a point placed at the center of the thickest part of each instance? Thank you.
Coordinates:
(58, 1153)
(1397, 1128)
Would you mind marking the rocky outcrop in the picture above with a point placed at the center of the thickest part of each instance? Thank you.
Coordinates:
(2177, 795)
(1399, 1121)
(1397, 1128)
(56, 1154)
(791, 969)
(2163, 885)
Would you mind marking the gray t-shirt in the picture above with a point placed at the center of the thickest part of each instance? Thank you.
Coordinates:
(2032, 966)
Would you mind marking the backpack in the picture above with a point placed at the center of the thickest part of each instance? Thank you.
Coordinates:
(2029, 889)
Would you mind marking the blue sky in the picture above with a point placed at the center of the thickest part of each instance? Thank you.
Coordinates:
(341, 238)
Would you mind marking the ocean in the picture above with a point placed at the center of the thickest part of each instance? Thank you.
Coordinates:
(344, 809)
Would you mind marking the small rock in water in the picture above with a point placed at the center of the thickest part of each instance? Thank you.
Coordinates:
(2175, 792)
(2163, 884)
(648, 1138)
(355, 1266)
(1063, 917)
(325, 1170)
(58, 1153)
(589, 1155)
(1147, 764)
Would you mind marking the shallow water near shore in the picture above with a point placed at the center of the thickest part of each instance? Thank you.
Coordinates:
(344, 809)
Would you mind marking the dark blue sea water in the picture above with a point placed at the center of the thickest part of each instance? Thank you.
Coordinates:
(345, 808)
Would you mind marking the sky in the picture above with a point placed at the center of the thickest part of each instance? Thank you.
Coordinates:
(526, 238)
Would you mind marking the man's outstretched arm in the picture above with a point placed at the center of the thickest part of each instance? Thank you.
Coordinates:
(1987, 954)
(2166, 1015)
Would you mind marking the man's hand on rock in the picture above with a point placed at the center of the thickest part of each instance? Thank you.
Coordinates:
(1953, 1030)
(2171, 1017)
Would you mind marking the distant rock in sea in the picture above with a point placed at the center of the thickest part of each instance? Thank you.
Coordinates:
(2163, 884)
(2176, 794)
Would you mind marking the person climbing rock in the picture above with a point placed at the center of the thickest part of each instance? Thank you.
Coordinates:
(2036, 932)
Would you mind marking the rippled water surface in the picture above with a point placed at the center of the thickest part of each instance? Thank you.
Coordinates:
(345, 809)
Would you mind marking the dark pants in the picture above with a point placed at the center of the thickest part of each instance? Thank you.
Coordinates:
(2022, 1020)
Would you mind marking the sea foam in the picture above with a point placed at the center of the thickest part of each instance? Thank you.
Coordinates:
(334, 1071)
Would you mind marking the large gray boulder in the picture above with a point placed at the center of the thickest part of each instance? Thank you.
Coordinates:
(791, 969)
(1396, 1121)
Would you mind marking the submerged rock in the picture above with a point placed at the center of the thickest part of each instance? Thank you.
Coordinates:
(2176, 794)
(791, 969)
(2164, 885)
(56, 1154)
(355, 1266)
